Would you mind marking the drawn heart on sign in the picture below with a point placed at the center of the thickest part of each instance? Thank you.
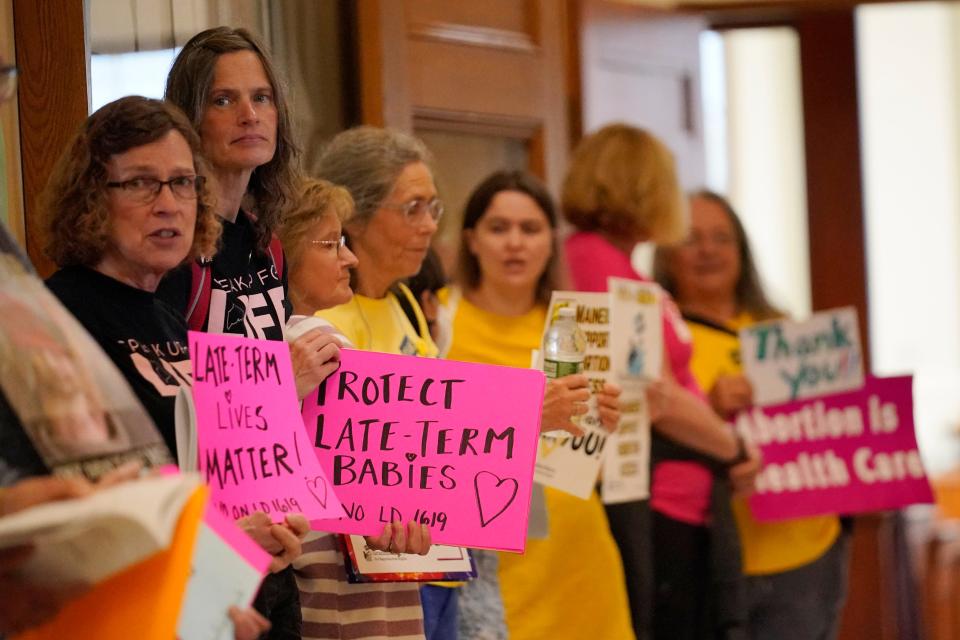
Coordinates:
(318, 487)
(228, 394)
(410, 456)
(494, 495)
(549, 443)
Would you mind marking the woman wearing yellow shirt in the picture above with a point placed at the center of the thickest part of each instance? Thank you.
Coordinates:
(569, 584)
(796, 570)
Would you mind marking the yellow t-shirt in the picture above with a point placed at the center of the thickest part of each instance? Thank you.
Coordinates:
(768, 547)
(571, 584)
(379, 324)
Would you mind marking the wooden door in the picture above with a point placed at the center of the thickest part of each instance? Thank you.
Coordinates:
(483, 83)
(642, 67)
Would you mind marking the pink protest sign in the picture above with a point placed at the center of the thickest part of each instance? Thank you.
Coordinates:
(845, 453)
(252, 448)
(449, 444)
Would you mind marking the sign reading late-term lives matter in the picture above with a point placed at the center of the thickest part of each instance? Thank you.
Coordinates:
(846, 453)
(448, 444)
(252, 447)
(787, 360)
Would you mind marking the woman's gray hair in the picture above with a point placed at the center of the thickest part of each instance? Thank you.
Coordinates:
(367, 161)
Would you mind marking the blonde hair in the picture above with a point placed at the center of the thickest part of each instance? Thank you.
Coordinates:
(314, 200)
(623, 181)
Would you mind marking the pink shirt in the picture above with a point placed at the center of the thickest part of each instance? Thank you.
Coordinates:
(679, 489)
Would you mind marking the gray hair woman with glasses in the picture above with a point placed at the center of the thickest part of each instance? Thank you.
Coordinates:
(387, 172)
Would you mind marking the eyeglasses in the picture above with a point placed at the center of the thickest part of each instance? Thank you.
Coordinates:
(8, 82)
(415, 209)
(146, 190)
(339, 243)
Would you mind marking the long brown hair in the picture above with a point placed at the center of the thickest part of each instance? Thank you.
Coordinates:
(272, 186)
(749, 293)
(477, 205)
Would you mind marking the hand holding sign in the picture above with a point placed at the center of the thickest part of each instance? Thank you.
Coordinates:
(253, 450)
(404, 438)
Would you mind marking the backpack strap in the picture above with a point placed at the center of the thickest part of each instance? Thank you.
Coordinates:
(202, 283)
(200, 286)
(422, 327)
(276, 254)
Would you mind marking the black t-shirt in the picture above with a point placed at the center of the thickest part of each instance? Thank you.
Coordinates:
(248, 298)
(144, 337)
(247, 295)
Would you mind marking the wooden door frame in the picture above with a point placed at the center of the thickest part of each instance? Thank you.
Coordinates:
(52, 96)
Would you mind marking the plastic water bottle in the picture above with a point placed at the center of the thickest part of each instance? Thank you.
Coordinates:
(564, 345)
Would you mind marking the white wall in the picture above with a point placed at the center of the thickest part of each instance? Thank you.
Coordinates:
(910, 115)
(754, 137)
(767, 177)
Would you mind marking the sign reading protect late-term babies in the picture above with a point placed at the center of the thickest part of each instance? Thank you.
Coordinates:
(787, 360)
(448, 444)
(252, 448)
(845, 453)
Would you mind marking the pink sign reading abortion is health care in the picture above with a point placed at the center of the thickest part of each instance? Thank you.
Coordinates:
(449, 444)
(253, 450)
(845, 453)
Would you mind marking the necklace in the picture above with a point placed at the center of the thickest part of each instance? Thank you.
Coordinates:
(401, 321)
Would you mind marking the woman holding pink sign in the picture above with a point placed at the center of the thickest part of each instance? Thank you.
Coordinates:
(226, 83)
(621, 190)
(508, 264)
(796, 569)
(126, 203)
(320, 268)
(388, 175)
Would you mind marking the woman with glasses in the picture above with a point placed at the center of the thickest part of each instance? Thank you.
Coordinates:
(796, 570)
(320, 266)
(396, 215)
(226, 83)
(124, 206)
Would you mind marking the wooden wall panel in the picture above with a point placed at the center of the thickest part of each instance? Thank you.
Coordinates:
(12, 213)
(51, 55)
(831, 121)
(516, 16)
(481, 86)
(496, 68)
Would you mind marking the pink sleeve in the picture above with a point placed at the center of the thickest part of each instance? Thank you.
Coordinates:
(592, 260)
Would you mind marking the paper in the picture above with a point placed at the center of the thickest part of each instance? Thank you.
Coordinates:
(86, 540)
(442, 563)
(448, 444)
(143, 601)
(848, 453)
(626, 467)
(77, 409)
(253, 450)
(787, 360)
(228, 567)
(636, 329)
(572, 464)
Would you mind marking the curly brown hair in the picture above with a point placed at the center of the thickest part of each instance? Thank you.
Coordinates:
(74, 216)
(273, 185)
(623, 181)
